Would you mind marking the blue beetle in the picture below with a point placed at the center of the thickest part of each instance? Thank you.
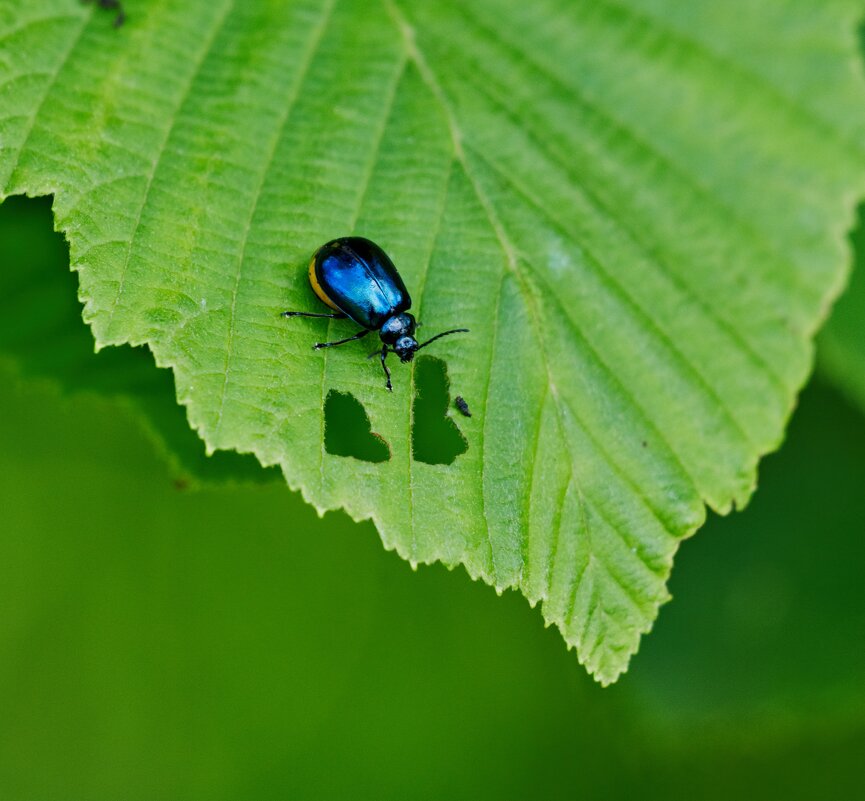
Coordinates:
(357, 279)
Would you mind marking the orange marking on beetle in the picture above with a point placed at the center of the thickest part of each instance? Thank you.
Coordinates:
(316, 287)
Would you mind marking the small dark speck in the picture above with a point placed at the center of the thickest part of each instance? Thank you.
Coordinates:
(461, 404)
(645, 444)
(111, 5)
(181, 484)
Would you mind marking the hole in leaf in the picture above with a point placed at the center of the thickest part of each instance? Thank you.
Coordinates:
(347, 430)
(435, 437)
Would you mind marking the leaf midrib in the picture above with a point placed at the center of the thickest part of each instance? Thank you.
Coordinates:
(512, 263)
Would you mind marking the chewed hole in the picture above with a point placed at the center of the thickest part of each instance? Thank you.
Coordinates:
(347, 430)
(435, 437)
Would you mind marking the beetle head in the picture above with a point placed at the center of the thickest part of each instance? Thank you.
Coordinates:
(405, 348)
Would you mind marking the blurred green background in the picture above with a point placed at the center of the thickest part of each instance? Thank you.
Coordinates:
(175, 627)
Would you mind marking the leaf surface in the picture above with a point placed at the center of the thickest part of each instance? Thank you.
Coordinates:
(637, 207)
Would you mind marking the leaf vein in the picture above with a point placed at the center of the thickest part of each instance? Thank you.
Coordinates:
(364, 189)
(706, 309)
(31, 124)
(198, 62)
(315, 39)
(420, 293)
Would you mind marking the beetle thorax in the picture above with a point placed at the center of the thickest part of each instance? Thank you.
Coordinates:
(398, 332)
(396, 327)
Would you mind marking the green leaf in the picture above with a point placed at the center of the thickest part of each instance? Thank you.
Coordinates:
(842, 341)
(41, 336)
(637, 207)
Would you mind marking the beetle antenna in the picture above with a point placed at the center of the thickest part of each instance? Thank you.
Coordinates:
(443, 334)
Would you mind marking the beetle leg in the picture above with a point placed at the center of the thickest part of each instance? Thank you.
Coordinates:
(336, 316)
(384, 352)
(359, 335)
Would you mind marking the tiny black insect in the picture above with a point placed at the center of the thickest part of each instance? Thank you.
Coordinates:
(460, 403)
(357, 279)
(111, 5)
